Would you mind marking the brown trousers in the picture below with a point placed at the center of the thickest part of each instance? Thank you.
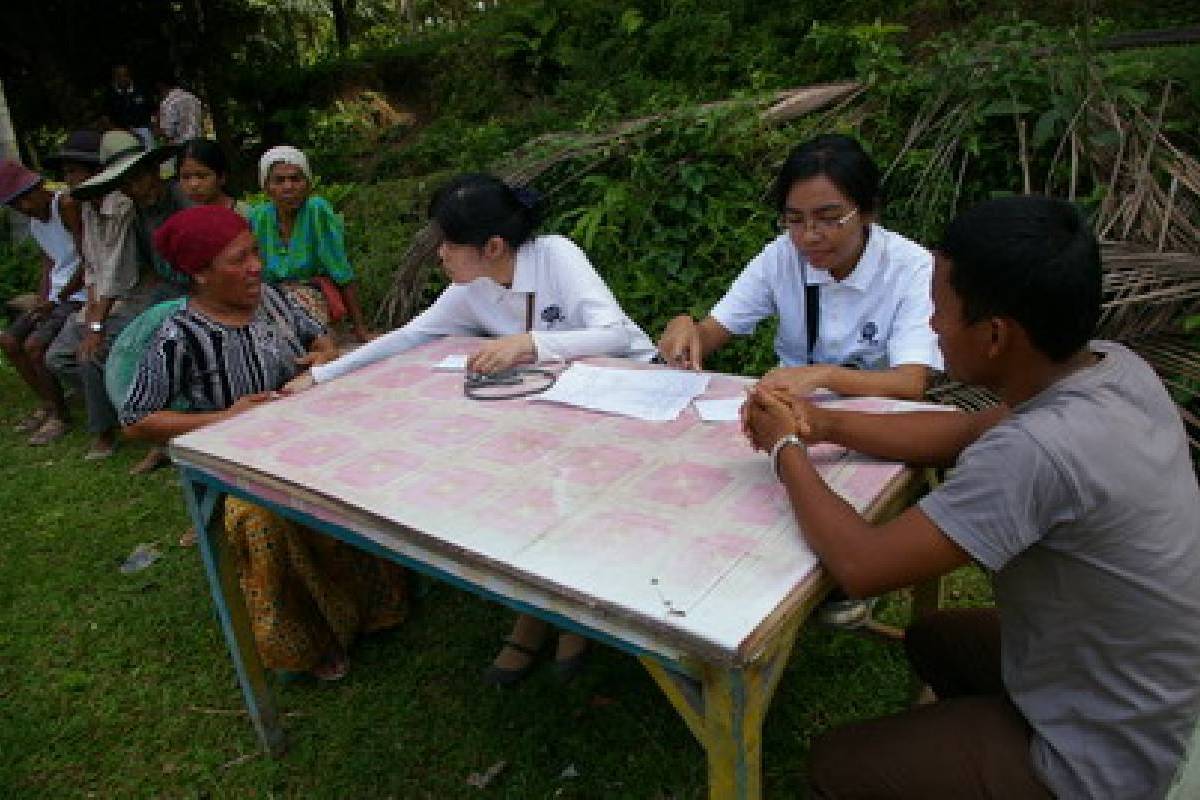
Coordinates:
(971, 743)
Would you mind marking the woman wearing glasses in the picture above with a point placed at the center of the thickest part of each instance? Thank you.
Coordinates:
(852, 297)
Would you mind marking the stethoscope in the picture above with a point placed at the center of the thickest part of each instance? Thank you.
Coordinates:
(507, 384)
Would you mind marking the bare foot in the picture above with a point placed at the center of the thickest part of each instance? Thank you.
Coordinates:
(32, 422)
(333, 667)
(570, 646)
(103, 446)
(50, 430)
(155, 457)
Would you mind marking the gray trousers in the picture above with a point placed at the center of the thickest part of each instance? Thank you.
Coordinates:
(61, 359)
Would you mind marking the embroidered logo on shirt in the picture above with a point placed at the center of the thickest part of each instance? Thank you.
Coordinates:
(551, 315)
(869, 332)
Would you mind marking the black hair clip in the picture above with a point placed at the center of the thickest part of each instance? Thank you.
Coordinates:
(484, 386)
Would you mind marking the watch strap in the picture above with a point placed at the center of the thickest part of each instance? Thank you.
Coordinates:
(777, 448)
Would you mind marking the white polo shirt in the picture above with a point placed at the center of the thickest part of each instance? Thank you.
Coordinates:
(878, 317)
(574, 313)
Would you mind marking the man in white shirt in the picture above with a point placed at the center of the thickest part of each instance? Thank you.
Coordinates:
(179, 113)
(54, 222)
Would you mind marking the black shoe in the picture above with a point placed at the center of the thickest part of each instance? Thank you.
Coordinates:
(500, 676)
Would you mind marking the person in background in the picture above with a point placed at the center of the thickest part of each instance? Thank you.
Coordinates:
(203, 172)
(1078, 495)
(56, 225)
(542, 300)
(227, 349)
(129, 106)
(79, 158)
(303, 242)
(180, 113)
(122, 204)
(852, 297)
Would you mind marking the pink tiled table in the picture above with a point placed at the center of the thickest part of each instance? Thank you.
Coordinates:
(672, 541)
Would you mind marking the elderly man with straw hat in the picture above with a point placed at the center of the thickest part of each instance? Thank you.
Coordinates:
(124, 203)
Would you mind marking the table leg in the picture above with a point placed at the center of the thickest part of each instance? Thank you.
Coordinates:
(724, 709)
(206, 506)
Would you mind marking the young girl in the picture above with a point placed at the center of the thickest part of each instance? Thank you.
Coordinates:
(542, 300)
(203, 170)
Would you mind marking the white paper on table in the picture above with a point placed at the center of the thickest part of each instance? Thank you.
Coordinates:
(457, 363)
(722, 409)
(657, 395)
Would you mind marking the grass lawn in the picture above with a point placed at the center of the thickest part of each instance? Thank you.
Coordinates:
(118, 685)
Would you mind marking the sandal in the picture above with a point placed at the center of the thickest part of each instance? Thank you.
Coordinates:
(506, 676)
(188, 538)
(51, 430)
(31, 423)
(100, 450)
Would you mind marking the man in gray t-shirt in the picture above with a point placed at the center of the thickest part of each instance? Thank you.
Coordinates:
(1078, 495)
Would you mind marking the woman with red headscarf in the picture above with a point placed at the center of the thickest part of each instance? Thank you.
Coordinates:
(228, 348)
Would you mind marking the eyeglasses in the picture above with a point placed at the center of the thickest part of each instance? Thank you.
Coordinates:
(820, 224)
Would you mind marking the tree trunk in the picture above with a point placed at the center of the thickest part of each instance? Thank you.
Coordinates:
(341, 22)
(10, 149)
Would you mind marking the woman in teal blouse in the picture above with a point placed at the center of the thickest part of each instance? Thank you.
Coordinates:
(302, 242)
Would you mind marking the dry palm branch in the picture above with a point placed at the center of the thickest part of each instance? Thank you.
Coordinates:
(584, 151)
(1148, 222)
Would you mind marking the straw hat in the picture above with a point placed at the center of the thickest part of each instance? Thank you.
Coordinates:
(120, 153)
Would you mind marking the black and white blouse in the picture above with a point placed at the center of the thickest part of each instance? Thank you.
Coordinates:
(209, 365)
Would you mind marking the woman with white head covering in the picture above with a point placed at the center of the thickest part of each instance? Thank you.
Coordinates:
(302, 241)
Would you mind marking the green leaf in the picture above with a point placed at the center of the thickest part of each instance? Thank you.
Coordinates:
(545, 24)
(692, 178)
(631, 21)
(998, 108)
(1046, 127)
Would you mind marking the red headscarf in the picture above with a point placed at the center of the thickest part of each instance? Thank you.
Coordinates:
(190, 239)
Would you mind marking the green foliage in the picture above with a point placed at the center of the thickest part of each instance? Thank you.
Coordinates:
(380, 222)
(20, 267)
(670, 222)
(871, 52)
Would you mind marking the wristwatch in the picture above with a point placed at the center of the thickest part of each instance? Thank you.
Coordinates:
(784, 441)
(96, 327)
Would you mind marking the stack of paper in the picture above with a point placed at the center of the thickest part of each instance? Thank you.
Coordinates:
(722, 409)
(657, 395)
(455, 363)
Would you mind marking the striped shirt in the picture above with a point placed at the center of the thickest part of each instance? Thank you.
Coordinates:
(209, 365)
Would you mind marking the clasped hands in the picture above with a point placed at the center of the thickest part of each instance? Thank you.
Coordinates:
(771, 413)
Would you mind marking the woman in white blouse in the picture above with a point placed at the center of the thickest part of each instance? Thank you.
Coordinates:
(540, 298)
(852, 297)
